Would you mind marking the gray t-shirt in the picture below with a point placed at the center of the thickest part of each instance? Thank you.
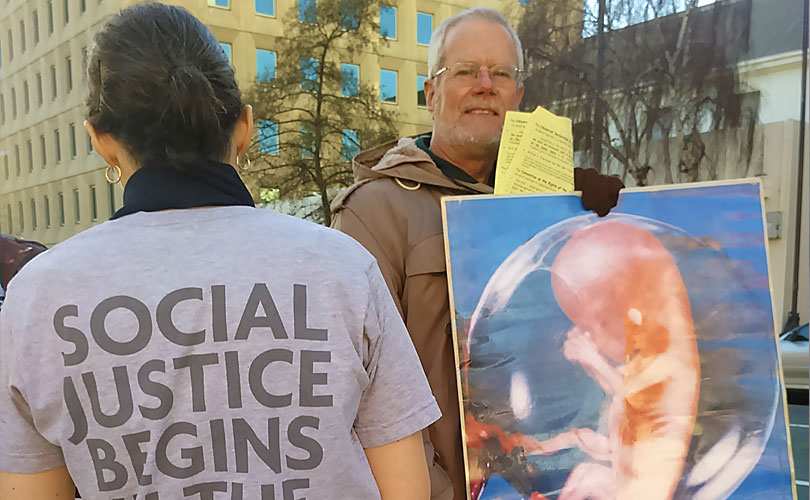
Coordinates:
(215, 353)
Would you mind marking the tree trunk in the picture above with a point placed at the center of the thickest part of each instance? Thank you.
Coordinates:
(326, 209)
(598, 123)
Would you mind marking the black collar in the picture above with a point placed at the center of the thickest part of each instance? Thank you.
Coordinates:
(447, 168)
(161, 186)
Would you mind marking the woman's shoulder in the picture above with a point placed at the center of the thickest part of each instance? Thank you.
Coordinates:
(317, 237)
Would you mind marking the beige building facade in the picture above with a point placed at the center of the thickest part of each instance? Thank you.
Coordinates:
(52, 184)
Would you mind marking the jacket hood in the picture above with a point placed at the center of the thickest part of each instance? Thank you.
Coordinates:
(404, 160)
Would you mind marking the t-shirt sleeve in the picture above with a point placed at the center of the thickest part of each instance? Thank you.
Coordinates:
(398, 401)
(22, 449)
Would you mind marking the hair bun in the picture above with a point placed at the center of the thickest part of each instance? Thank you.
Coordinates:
(194, 104)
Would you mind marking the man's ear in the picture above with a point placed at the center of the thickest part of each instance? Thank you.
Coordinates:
(243, 130)
(430, 93)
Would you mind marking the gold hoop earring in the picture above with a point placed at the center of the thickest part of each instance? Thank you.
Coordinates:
(247, 163)
(113, 174)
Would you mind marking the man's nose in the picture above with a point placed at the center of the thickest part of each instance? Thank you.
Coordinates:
(484, 80)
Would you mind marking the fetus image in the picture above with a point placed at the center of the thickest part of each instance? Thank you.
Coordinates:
(633, 334)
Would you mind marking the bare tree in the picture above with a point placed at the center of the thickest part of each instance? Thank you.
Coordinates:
(666, 72)
(315, 112)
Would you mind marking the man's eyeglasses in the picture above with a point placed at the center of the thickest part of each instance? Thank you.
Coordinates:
(469, 73)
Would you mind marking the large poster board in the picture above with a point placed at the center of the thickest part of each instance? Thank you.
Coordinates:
(629, 357)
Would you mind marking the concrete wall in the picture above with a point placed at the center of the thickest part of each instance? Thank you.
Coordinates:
(778, 80)
(781, 187)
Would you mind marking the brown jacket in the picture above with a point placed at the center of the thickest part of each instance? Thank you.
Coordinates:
(394, 210)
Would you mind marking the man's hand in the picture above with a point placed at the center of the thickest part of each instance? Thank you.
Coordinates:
(600, 192)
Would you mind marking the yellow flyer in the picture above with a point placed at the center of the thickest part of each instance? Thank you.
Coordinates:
(536, 154)
(513, 127)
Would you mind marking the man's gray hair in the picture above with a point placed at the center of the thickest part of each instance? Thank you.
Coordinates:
(436, 49)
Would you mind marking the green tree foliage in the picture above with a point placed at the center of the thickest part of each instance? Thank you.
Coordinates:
(315, 113)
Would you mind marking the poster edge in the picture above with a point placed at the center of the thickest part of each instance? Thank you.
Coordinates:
(645, 189)
(780, 369)
(456, 354)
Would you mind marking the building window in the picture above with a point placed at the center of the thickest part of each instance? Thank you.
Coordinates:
(47, 212)
(20, 217)
(93, 203)
(226, 4)
(309, 74)
(10, 220)
(307, 11)
(111, 192)
(349, 18)
(265, 65)
(26, 97)
(266, 7)
(89, 143)
(388, 22)
(350, 144)
(350, 79)
(10, 46)
(84, 64)
(39, 90)
(424, 28)
(22, 35)
(82, 6)
(50, 17)
(35, 24)
(73, 149)
(13, 102)
(420, 90)
(61, 208)
(77, 214)
(2, 108)
(5, 166)
(34, 223)
(17, 161)
(388, 86)
(57, 144)
(53, 82)
(228, 50)
(29, 148)
(67, 11)
(69, 73)
(43, 150)
(268, 137)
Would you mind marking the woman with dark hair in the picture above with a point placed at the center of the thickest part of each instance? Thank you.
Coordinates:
(195, 346)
